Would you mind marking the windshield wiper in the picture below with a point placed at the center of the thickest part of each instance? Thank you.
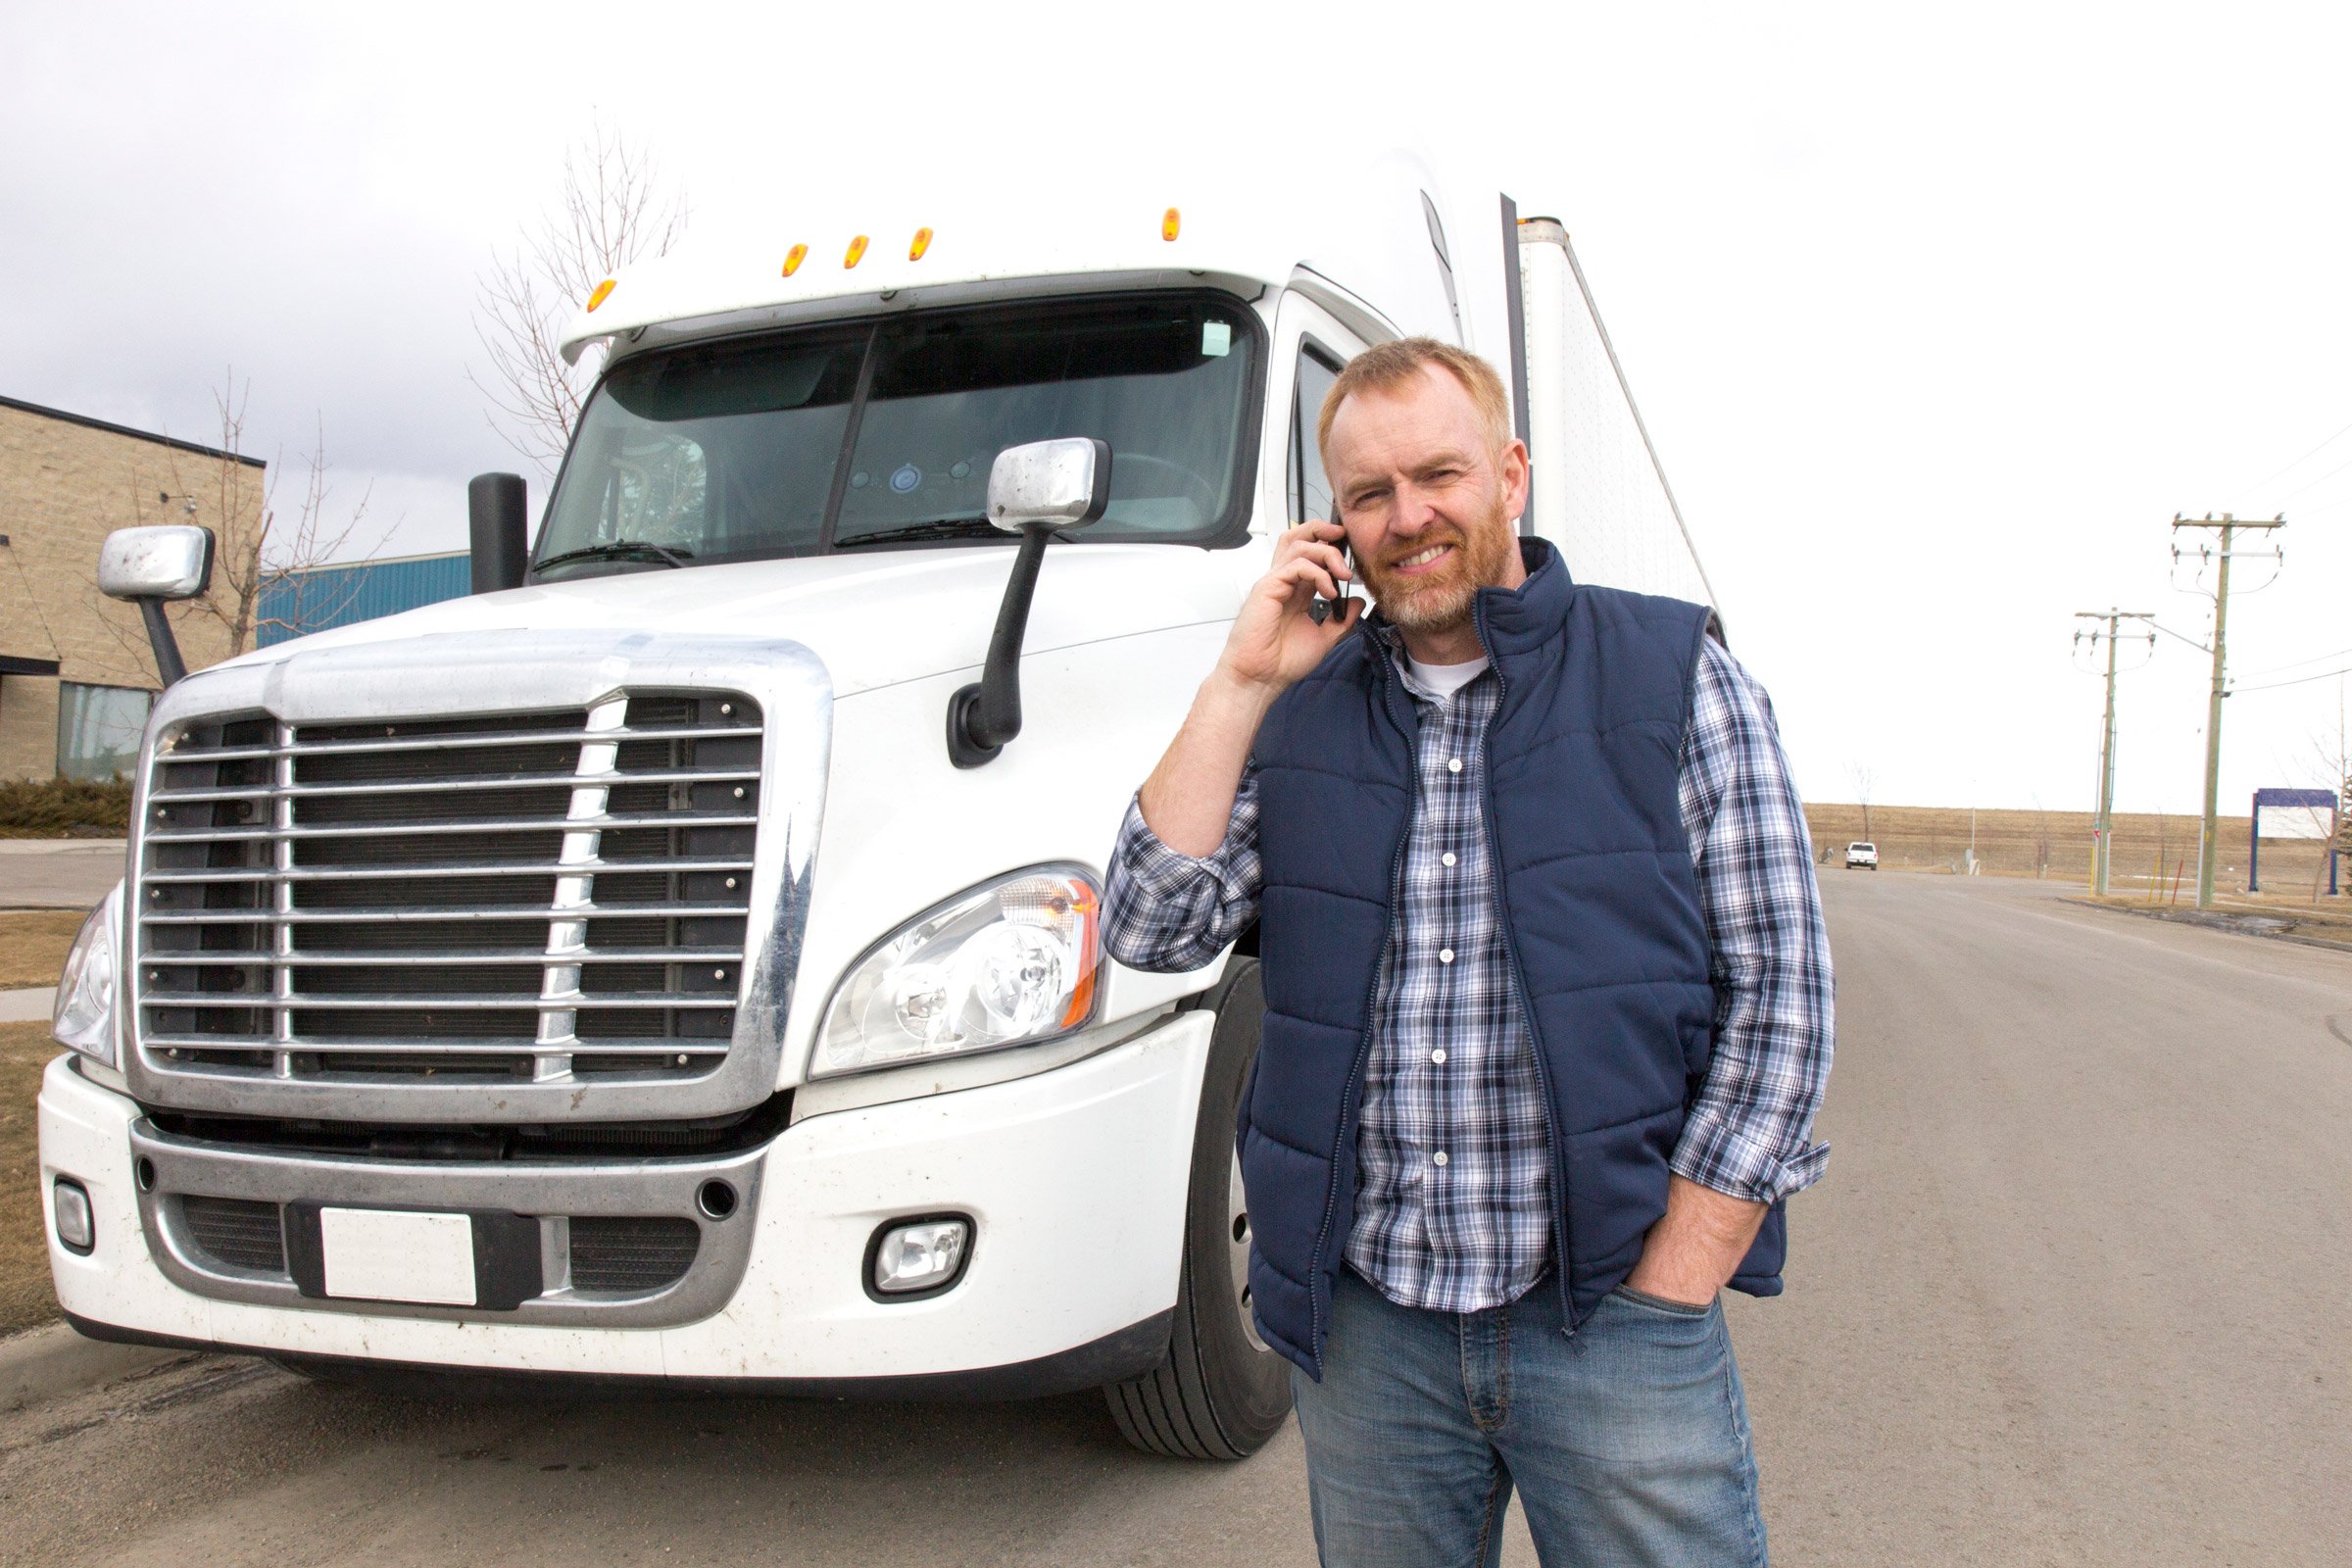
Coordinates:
(943, 529)
(622, 550)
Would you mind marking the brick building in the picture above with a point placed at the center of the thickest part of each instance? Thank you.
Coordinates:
(77, 678)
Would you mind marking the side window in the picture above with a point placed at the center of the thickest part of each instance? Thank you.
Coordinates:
(1310, 487)
(98, 729)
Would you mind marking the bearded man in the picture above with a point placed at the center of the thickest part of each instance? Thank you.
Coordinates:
(1548, 1001)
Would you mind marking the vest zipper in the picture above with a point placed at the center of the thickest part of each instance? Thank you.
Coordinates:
(1363, 1053)
(1510, 946)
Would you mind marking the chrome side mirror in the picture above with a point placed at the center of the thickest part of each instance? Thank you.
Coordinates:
(1035, 491)
(152, 564)
(1050, 484)
(169, 562)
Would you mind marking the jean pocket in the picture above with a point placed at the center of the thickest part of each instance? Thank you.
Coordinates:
(1643, 1300)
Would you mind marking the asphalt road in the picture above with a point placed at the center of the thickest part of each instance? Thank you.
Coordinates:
(58, 873)
(2072, 1293)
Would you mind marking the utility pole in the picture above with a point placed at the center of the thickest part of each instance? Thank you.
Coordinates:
(2229, 528)
(2103, 830)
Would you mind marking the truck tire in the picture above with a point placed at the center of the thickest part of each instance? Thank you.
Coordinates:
(1220, 1394)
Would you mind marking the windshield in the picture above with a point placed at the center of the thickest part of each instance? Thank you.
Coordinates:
(818, 439)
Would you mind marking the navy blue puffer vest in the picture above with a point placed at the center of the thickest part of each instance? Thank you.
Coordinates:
(1599, 906)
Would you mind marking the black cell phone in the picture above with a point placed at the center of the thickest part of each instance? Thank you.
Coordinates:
(1322, 610)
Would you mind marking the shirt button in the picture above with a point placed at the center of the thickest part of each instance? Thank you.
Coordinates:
(1445, 954)
(1453, 764)
(1447, 859)
(1438, 1056)
(1439, 1156)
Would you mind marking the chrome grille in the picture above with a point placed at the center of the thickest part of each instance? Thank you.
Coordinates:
(540, 896)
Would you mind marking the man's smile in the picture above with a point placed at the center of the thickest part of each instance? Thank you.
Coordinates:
(1420, 561)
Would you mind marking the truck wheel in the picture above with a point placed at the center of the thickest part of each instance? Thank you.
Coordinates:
(1220, 1394)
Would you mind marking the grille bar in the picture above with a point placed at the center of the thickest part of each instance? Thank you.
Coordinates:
(491, 824)
(479, 781)
(182, 755)
(503, 911)
(438, 1001)
(611, 1046)
(370, 873)
(290, 875)
(371, 957)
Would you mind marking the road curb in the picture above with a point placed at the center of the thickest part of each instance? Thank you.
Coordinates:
(45, 1364)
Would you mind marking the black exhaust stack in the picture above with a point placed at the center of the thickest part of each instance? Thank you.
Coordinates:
(495, 507)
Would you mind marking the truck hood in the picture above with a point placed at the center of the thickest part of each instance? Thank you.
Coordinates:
(875, 619)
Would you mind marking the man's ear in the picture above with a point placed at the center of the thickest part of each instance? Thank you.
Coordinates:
(1511, 466)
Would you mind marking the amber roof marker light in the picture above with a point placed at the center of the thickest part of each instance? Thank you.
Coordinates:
(856, 252)
(602, 290)
(794, 258)
(1170, 221)
(922, 243)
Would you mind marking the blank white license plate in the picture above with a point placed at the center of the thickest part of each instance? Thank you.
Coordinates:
(376, 1255)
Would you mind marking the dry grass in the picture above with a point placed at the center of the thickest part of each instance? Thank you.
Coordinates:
(26, 1299)
(63, 809)
(33, 944)
(2148, 854)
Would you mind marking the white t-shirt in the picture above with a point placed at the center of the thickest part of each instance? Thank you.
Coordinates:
(1439, 682)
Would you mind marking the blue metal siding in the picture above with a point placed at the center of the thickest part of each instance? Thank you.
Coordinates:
(337, 596)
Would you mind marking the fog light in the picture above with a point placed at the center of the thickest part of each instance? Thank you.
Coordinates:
(72, 1206)
(920, 1255)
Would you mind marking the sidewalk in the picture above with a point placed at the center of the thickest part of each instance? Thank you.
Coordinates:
(27, 1003)
(58, 873)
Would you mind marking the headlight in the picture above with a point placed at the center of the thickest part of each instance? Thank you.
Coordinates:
(1009, 964)
(84, 1018)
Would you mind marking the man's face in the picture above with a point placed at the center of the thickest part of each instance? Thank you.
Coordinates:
(1427, 505)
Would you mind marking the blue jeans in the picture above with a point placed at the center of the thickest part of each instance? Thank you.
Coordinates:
(1629, 1442)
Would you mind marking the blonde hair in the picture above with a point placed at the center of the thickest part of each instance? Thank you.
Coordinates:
(1392, 365)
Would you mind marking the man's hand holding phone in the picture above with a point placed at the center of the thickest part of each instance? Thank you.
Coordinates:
(1276, 638)
(1296, 613)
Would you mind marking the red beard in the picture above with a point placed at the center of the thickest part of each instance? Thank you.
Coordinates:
(1441, 601)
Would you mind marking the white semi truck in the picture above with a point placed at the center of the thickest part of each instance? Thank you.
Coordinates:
(679, 961)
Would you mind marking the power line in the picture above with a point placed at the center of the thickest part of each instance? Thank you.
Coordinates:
(2299, 461)
(2300, 680)
(2298, 663)
(2322, 479)
(2203, 648)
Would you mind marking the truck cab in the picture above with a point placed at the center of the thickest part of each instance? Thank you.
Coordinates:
(668, 965)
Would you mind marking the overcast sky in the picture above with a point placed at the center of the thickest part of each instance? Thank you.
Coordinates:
(1938, 316)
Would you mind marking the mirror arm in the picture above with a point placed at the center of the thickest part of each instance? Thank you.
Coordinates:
(983, 716)
(167, 662)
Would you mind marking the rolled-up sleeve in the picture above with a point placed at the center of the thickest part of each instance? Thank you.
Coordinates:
(1749, 1131)
(1170, 912)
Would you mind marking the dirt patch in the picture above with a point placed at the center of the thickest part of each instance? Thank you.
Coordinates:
(33, 944)
(26, 1299)
(2244, 916)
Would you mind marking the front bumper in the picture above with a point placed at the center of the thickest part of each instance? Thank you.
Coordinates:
(1075, 1179)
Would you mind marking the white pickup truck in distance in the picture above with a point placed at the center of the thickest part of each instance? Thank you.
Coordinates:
(679, 960)
(1865, 856)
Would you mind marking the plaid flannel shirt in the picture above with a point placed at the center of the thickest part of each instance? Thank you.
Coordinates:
(1454, 1210)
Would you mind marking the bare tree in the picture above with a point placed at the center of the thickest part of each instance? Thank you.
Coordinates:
(263, 568)
(1866, 780)
(614, 210)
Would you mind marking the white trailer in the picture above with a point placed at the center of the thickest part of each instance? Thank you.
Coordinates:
(678, 960)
